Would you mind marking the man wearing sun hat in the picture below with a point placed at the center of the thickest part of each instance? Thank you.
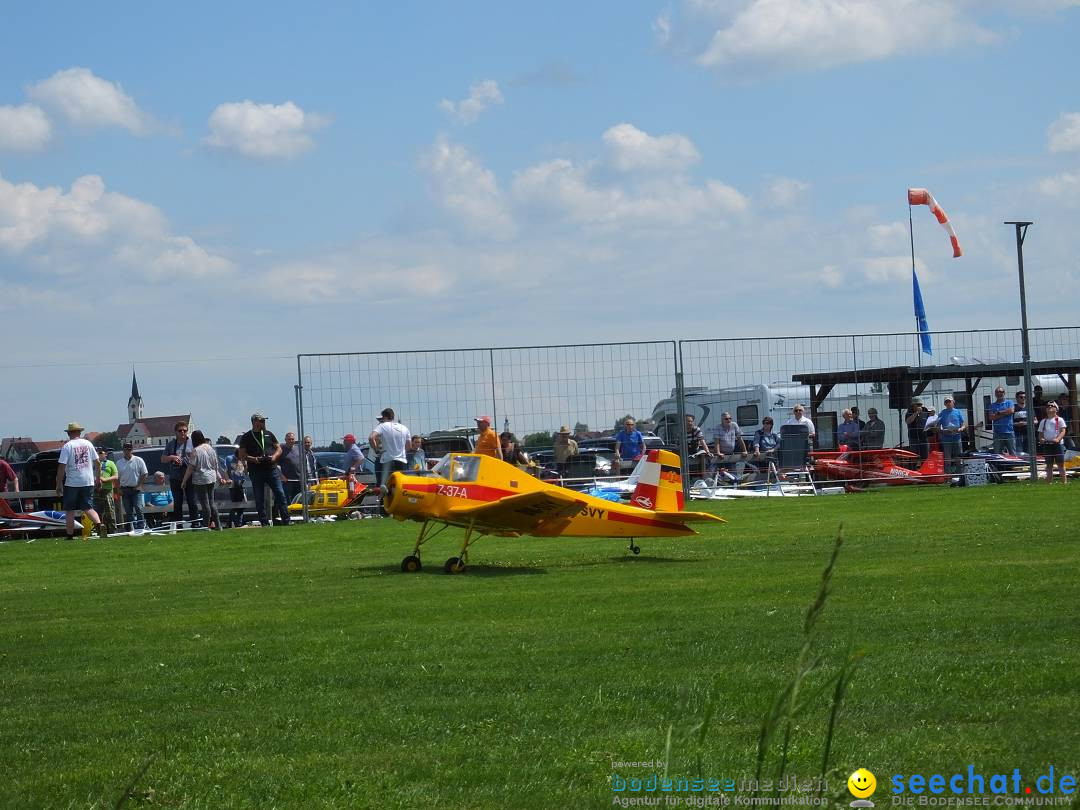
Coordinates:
(77, 473)
(487, 443)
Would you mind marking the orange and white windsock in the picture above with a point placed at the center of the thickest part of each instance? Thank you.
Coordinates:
(920, 196)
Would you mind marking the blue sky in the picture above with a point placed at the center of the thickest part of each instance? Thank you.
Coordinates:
(205, 191)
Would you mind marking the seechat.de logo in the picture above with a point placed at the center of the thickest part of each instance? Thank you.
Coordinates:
(862, 785)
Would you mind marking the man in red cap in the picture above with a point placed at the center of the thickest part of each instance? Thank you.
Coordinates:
(487, 442)
(354, 456)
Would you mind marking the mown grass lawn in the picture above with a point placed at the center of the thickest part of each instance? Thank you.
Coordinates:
(299, 668)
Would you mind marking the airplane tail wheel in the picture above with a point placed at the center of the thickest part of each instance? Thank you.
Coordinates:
(454, 566)
(634, 547)
(410, 564)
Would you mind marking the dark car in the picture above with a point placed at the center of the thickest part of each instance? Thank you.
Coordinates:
(588, 463)
(440, 442)
(39, 473)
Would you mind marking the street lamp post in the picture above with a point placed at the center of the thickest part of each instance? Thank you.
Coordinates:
(1021, 232)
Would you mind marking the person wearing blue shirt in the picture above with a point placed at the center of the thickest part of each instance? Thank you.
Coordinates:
(950, 424)
(848, 432)
(1001, 414)
(629, 443)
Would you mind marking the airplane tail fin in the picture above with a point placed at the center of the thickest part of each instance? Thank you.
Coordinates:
(659, 486)
(934, 464)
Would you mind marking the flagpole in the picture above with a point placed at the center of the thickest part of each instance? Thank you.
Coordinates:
(911, 233)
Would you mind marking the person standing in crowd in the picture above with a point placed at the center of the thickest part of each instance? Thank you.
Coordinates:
(177, 450)
(873, 438)
(290, 461)
(629, 444)
(799, 417)
(697, 449)
(564, 449)
(1051, 435)
(354, 457)
(950, 426)
(236, 469)
(132, 471)
(1001, 415)
(513, 453)
(77, 471)
(9, 478)
(729, 441)
(310, 462)
(103, 493)
(415, 457)
(848, 433)
(915, 419)
(1020, 422)
(765, 442)
(855, 413)
(1065, 412)
(390, 439)
(487, 443)
(203, 474)
(260, 449)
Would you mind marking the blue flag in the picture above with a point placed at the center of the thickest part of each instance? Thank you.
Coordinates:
(920, 316)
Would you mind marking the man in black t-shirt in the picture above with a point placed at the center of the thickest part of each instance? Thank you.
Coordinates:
(260, 449)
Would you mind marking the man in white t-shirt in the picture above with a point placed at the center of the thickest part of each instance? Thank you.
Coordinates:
(390, 440)
(78, 471)
(798, 417)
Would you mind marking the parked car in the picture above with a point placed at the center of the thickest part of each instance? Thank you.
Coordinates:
(588, 463)
(456, 440)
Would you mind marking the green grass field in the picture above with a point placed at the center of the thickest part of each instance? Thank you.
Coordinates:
(299, 668)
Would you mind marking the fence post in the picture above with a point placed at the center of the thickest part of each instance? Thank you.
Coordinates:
(680, 400)
(299, 394)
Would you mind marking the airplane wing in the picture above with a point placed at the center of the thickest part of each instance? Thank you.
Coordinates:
(868, 455)
(519, 513)
(688, 517)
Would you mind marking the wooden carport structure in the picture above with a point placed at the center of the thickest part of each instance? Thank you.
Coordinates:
(912, 381)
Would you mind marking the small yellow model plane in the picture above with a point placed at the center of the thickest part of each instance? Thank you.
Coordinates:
(487, 496)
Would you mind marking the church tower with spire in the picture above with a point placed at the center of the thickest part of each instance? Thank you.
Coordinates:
(135, 403)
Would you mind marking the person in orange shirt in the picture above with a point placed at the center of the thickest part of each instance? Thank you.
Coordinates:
(487, 442)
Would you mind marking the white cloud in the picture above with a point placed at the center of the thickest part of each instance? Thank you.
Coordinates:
(469, 192)
(481, 96)
(92, 232)
(262, 131)
(888, 237)
(892, 269)
(630, 149)
(24, 129)
(1064, 133)
(784, 192)
(831, 276)
(90, 102)
(331, 278)
(1066, 185)
(760, 37)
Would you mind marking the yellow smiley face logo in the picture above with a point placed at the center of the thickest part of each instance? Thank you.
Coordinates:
(861, 783)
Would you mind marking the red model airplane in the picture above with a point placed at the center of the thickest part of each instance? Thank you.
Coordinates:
(879, 467)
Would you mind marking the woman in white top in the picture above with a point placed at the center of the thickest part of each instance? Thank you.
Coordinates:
(1051, 439)
(204, 472)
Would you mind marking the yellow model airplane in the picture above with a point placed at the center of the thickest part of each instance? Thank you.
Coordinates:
(487, 496)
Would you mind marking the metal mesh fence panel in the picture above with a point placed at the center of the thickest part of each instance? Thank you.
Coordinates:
(526, 390)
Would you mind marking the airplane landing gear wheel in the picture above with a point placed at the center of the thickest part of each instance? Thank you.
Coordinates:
(454, 566)
(634, 547)
(411, 564)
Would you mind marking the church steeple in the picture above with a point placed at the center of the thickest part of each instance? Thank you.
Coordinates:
(135, 403)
